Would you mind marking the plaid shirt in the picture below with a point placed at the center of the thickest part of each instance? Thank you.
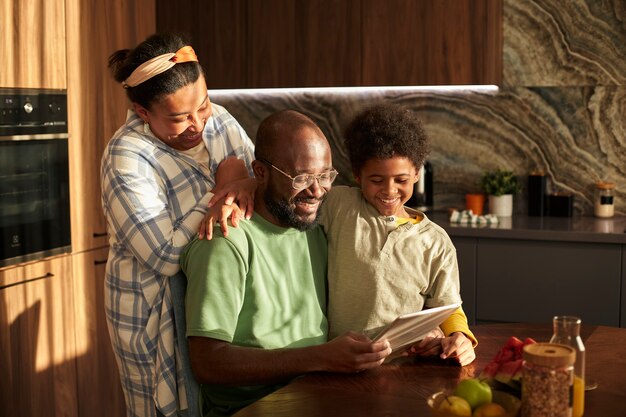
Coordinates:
(154, 199)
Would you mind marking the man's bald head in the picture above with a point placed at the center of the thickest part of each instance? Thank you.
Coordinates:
(277, 133)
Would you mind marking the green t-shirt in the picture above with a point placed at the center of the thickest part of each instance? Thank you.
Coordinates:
(262, 286)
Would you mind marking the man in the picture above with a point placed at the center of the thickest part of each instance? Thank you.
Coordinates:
(256, 300)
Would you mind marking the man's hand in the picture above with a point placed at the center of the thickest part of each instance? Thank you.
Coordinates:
(353, 352)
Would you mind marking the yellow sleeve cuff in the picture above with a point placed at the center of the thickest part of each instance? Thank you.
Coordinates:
(457, 322)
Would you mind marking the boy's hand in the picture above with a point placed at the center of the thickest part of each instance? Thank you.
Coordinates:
(430, 345)
(458, 347)
(219, 213)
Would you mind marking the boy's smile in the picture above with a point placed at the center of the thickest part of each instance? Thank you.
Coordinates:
(388, 183)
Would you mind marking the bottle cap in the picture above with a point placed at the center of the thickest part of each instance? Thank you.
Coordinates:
(549, 354)
(603, 185)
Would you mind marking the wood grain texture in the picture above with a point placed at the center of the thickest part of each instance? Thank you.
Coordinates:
(97, 105)
(99, 388)
(32, 45)
(271, 31)
(328, 43)
(433, 42)
(38, 360)
(216, 30)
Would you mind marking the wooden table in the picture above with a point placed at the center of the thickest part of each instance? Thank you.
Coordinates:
(401, 387)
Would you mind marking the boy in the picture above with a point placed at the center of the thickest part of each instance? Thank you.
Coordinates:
(386, 259)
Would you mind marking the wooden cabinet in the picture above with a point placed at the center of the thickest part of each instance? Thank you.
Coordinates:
(432, 42)
(308, 43)
(325, 43)
(37, 343)
(622, 322)
(217, 31)
(32, 45)
(97, 104)
(99, 389)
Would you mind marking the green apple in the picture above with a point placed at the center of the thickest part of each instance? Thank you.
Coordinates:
(455, 406)
(474, 391)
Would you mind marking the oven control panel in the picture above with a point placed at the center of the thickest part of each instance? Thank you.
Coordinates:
(32, 111)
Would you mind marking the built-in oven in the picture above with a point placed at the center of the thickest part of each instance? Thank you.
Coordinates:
(34, 179)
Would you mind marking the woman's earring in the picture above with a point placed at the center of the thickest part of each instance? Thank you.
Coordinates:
(146, 128)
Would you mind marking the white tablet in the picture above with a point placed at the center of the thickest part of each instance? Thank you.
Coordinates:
(409, 328)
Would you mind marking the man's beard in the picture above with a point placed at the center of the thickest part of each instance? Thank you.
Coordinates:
(284, 210)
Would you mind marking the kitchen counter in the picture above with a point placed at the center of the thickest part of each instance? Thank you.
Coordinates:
(522, 227)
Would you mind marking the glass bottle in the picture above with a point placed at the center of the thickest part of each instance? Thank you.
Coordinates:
(603, 204)
(567, 332)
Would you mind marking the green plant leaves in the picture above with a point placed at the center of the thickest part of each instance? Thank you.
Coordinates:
(499, 182)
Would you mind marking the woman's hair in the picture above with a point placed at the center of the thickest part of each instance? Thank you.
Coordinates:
(384, 131)
(123, 62)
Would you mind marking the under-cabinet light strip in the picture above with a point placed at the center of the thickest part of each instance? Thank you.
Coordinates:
(434, 88)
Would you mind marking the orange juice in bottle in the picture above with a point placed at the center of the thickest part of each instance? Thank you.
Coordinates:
(578, 407)
(567, 332)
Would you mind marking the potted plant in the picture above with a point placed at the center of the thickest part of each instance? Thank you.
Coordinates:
(500, 185)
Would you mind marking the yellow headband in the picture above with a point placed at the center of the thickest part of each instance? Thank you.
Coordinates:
(159, 64)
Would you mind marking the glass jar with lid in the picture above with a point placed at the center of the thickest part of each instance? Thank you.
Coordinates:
(547, 380)
(603, 204)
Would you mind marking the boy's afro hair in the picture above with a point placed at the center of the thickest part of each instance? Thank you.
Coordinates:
(384, 131)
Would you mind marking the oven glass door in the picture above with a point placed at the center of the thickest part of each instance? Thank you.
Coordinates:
(34, 198)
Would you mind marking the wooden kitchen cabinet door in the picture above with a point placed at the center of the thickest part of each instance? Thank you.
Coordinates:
(270, 43)
(99, 389)
(216, 29)
(432, 42)
(307, 43)
(37, 343)
(32, 44)
(97, 105)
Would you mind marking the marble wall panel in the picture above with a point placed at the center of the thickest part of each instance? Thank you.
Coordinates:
(577, 135)
(564, 43)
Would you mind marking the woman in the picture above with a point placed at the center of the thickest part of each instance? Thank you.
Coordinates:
(157, 174)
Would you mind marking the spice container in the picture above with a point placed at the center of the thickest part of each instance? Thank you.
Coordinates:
(547, 380)
(567, 332)
(603, 204)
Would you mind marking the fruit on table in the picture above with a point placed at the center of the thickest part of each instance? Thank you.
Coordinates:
(489, 410)
(474, 391)
(506, 366)
(456, 406)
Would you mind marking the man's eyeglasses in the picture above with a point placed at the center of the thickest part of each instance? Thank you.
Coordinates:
(302, 181)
